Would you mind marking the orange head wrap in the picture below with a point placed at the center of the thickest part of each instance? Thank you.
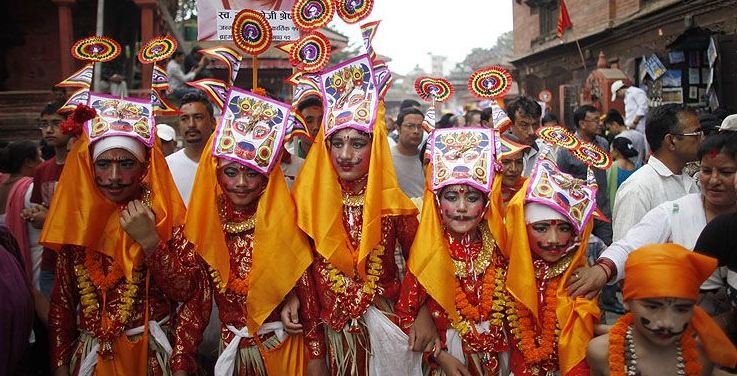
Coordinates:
(672, 271)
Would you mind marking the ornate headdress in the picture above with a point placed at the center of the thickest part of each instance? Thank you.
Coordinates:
(463, 156)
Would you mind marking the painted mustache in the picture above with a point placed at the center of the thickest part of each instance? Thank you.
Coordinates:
(462, 218)
(662, 332)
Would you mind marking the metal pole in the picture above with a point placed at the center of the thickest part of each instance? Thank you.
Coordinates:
(99, 30)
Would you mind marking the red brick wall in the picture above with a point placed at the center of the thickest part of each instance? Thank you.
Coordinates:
(34, 64)
(587, 16)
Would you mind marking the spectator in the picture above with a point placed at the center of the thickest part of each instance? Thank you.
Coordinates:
(410, 103)
(473, 118)
(16, 306)
(168, 137)
(615, 125)
(679, 221)
(19, 160)
(47, 151)
(178, 79)
(586, 120)
(673, 135)
(550, 120)
(196, 124)
(44, 183)
(709, 124)
(312, 111)
(405, 155)
(622, 152)
(635, 104)
(192, 60)
(487, 119)
(524, 112)
(445, 121)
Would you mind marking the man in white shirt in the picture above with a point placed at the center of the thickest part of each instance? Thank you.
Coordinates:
(635, 104)
(674, 135)
(615, 125)
(405, 154)
(525, 113)
(177, 78)
(196, 124)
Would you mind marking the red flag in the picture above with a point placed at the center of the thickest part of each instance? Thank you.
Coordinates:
(564, 21)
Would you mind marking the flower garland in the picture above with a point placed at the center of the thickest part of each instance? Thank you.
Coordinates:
(617, 339)
(338, 282)
(90, 302)
(238, 285)
(535, 348)
(93, 264)
(491, 307)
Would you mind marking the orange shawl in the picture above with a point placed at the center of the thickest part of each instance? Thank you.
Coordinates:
(80, 214)
(318, 196)
(576, 316)
(281, 252)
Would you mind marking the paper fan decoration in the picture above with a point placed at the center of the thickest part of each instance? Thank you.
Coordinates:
(216, 90)
(352, 11)
(592, 155)
(80, 78)
(312, 14)
(311, 52)
(560, 136)
(251, 32)
(429, 88)
(96, 49)
(160, 105)
(157, 49)
(490, 82)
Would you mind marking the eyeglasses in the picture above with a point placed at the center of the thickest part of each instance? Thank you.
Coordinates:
(413, 127)
(690, 134)
(43, 124)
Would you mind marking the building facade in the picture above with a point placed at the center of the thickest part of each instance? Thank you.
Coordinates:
(622, 32)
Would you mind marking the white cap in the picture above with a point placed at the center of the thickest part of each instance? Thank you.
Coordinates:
(130, 144)
(165, 132)
(616, 85)
(535, 212)
(729, 123)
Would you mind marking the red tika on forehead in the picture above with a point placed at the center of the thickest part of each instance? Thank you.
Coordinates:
(713, 153)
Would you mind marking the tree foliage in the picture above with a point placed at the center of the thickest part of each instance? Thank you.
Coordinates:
(500, 53)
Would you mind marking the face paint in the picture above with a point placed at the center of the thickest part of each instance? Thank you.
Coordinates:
(661, 321)
(550, 240)
(461, 208)
(350, 152)
(118, 175)
(241, 185)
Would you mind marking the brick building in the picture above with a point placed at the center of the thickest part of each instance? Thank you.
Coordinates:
(624, 31)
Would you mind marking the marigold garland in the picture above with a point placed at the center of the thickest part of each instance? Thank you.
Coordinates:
(238, 285)
(90, 302)
(617, 342)
(536, 348)
(491, 307)
(93, 264)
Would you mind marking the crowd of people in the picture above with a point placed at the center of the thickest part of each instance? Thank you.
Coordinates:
(370, 248)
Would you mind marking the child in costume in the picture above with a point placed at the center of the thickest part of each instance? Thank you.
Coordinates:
(456, 265)
(241, 224)
(550, 218)
(665, 332)
(112, 219)
(350, 205)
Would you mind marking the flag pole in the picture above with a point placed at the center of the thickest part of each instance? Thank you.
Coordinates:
(580, 52)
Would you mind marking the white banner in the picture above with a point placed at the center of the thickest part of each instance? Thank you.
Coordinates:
(215, 17)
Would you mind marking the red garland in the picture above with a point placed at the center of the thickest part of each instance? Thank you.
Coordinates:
(73, 124)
